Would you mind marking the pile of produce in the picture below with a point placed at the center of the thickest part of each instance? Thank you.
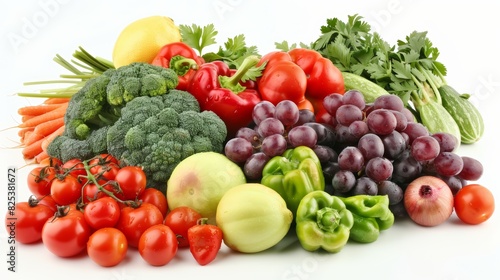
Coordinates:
(168, 147)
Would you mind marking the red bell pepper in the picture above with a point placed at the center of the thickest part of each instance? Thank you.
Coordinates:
(219, 90)
(323, 77)
(181, 58)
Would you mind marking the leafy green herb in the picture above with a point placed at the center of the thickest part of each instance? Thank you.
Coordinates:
(198, 37)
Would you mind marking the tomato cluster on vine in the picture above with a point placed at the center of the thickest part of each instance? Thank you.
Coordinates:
(96, 206)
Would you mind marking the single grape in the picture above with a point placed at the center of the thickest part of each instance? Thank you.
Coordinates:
(425, 148)
(325, 153)
(354, 97)
(269, 127)
(254, 165)
(351, 158)
(472, 170)
(389, 102)
(287, 112)
(381, 121)
(305, 116)
(370, 145)
(410, 117)
(358, 128)
(448, 164)
(343, 135)
(262, 111)
(332, 102)
(238, 149)
(325, 134)
(343, 181)
(346, 114)
(399, 210)
(405, 169)
(274, 145)
(394, 144)
(393, 191)
(414, 130)
(454, 182)
(365, 185)
(250, 135)
(401, 121)
(447, 141)
(379, 169)
(302, 136)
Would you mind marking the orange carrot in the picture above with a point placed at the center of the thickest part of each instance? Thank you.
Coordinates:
(43, 130)
(54, 114)
(30, 151)
(41, 156)
(36, 110)
(22, 132)
(56, 100)
(46, 141)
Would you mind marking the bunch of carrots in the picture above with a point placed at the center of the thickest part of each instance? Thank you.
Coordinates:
(40, 124)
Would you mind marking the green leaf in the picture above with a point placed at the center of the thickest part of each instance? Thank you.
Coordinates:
(198, 37)
(284, 46)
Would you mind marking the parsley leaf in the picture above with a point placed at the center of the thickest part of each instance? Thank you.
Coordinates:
(198, 37)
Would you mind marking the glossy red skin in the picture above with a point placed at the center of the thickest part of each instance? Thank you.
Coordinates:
(40, 180)
(27, 221)
(205, 241)
(132, 181)
(65, 190)
(67, 235)
(158, 245)
(101, 213)
(157, 198)
(174, 49)
(235, 109)
(107, 246)
(283, 80)
(134, 221)
(180, 219)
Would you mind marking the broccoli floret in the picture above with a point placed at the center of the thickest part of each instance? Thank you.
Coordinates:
(66, 148)
(159, 138)
(139, 79)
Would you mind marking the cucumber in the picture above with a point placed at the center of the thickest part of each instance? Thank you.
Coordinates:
(437, 119)
(369, 89)
(465, 114)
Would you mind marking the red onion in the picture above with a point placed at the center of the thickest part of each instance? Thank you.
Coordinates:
(428, 201)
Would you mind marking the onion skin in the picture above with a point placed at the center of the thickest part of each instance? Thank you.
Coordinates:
(428, 201)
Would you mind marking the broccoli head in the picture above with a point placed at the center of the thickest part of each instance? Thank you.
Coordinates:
(65, 148)
(139, 79)
(171, 129)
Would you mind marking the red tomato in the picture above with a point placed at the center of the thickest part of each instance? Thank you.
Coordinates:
(155, 197)
(204, 242)
(101, 213)
(132, 181)
(104, 166)
(40, 180)
(27, 221)
(474, 204)
(66, 190)
(180, 219)
(51, 161)
(75, 168)
(107, 246)
(158, 245)
(66, 235)
(134, 221)
(49, 202)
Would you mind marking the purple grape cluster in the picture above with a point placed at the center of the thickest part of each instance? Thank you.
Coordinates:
(375, 148)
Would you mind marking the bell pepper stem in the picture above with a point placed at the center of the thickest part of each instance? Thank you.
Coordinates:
(181, 65)
(233, 82)
(328, 219)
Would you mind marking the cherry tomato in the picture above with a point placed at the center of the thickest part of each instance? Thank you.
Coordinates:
(65, 190)
(474, 204)
(158, 245)
(49, 202)
(204, 241)
(157, 198)
(105, 166)
(134, 221)
(27, 221)
(132, 181)
(107, 246)
(40, 180)
(66, 235)
(76, 169)
(180, 219)
(101, 213)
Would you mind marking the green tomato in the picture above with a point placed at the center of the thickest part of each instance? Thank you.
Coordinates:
(253, 218)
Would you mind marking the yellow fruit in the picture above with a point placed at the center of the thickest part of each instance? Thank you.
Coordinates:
(141, 40)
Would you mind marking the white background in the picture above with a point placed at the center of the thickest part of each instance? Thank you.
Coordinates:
(466, 33)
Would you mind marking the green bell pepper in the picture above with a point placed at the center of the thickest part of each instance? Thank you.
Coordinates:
(294, 174)
(323, 221)
(371, 215)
